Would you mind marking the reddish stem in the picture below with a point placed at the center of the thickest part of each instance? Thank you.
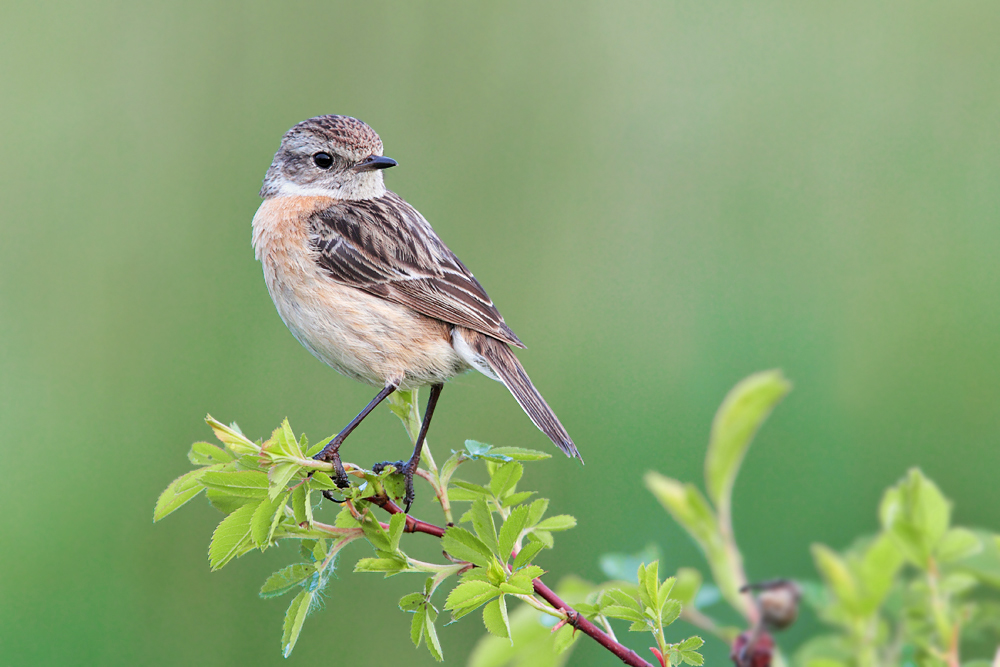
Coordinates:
(573, 617)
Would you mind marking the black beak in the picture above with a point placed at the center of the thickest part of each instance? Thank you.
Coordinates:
(375, 162)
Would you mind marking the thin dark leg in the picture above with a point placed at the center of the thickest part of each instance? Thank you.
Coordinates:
(411, 466)
(332, 450)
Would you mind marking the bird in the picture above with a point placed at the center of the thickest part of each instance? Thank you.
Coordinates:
(361, 280)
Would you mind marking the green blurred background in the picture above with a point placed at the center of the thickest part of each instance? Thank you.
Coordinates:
(662, 197)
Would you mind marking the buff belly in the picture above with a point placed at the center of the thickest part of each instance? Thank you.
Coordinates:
(367, 338)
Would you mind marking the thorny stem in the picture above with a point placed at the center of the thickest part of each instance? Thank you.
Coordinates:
(573, 617)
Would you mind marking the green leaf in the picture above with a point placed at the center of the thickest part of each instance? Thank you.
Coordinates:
(517, 498)
(286, 579)
(837, 576)
(469, 595)
(527, 554)
(557, 523)
(520, 454)
(178, 492)
(279, 475)
(495, 618)
(430, 633)
(375, 533)
(226, 503)
(396, 525)
(477, 448)
(302, 505)
(664, 591)
(463, 545)
(624, 613)
(206, 454)
(511, 530)
(473, 490)
(648, 584)
(482, 521)
(506, 478)
(417, 624)
(412, 602)
(294, 618)
(958, 543)
(916, 515)
(266, 518)
(322, 482)
(230, 536)
(232, 437)
(387, 566)
(245, 483)
(742, 412)
(536, 511)
(542, 536)
(670, 612)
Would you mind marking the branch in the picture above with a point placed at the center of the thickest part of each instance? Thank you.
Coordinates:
(573, 617)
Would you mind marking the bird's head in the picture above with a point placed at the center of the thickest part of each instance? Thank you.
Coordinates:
(328, 156)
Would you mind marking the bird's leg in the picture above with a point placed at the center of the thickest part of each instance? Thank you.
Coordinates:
(411, 466)
(332, 450)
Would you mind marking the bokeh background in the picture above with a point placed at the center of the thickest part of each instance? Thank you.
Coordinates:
(662, 197)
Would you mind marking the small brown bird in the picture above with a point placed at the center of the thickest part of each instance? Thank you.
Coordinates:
(364, 283)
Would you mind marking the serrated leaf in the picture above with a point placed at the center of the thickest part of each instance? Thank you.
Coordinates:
(470, 595)
(345, 518)
(230, 536)
(495, 618)
(527, 554)
(647, 583)
(520, 453)
(232, 437)
(664, 591)
(295, 616)
(417, 625)
(557, 523)
(396, 525)
(670, 612)
(739, 417)
(517, 498)
(536, 511)
(474, 489)
(206, 454)
(375, 533)
(279, 475)
(482, 521)
(463, 545)
(178, 493)
(543, 536)
(244, 483)
(286, 579)
(322, 482)
(412, 602)
(476, 448)
(266, 518)
(387, 566)
(506, 478)
(301, 505)
(625, 613)
(226, 503)
(511, 530)
(837, 576)
(448, 467)
(433, 643)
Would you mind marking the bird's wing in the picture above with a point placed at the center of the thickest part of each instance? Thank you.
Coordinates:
(385, 247)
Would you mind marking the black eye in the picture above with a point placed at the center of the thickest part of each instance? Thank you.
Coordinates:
(323, 160)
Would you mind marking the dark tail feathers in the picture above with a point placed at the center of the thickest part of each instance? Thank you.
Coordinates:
(507, 367)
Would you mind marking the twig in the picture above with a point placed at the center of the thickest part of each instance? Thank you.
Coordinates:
(573, 617)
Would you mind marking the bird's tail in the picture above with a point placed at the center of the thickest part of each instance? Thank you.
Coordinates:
(508, 369)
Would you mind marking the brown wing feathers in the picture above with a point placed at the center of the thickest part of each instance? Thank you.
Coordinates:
(384, 247)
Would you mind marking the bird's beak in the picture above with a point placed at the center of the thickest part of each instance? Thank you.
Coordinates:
(375, 162)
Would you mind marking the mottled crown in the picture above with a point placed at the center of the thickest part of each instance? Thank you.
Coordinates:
(348, 136)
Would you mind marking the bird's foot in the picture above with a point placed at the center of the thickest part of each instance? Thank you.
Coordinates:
(406, 469)
(331, 454)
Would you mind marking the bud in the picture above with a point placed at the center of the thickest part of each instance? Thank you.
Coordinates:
(778, 601)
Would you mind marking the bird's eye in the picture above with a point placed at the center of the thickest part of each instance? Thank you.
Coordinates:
(323, 160)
